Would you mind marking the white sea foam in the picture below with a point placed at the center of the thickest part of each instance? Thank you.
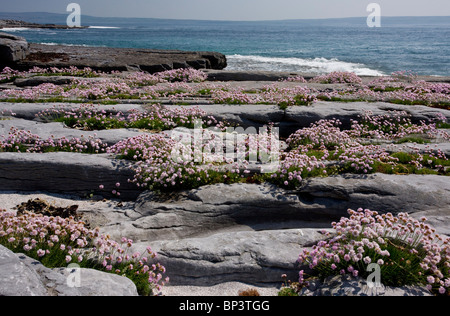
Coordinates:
(64, 44)
(316, 65)
(14, 29)
(103, 27)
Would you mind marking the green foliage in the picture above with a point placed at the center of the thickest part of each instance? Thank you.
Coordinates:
(407, 251)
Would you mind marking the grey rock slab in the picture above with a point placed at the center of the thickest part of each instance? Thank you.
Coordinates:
(219, 290)
(435, 147)
(303, 116)
(258, 115)
(297, 117)
(254, 257)
(24, 276)
(121, 59)
(232, 75)
(211, 208)
(38, 80)
(249, 115)
(437, 219)
(28, 111)
(379, 192)
(59, 130)
(16, 278)
(12, 48)
(349, 286)
(263, 206)
(95, 283)
(70, 173)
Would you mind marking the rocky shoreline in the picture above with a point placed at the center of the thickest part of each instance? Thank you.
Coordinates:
(16, 53)
(220, 234)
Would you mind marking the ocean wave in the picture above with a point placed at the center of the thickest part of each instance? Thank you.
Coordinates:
(15, 29)
(64, 44)
(315, 66)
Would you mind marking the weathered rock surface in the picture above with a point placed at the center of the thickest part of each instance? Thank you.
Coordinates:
(254, 233)
(119, 59)
(229, 75)
(348, 286)
(12, 49)
(254, 257)
(249, 233)
(38, 80)
(297, 117)
(58, 130)
(61, 172)
(202, 212)
(303, 116)
(28, 111)
(289, 121)
(23, 276)
(379, 192)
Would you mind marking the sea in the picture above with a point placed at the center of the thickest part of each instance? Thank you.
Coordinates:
(417, 44)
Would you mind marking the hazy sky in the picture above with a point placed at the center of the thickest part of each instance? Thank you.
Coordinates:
(233, 9)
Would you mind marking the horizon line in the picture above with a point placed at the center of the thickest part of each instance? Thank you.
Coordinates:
(226, 20)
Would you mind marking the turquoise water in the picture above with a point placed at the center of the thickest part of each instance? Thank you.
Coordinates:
(420, 44)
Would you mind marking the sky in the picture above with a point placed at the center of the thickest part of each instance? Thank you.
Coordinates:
(242, 10)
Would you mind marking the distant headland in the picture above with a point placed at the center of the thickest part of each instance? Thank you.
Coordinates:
(23, 24)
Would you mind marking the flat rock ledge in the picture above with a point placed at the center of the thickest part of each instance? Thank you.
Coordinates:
(69, 173)
(23, 276)
(349, 286)
(17, 53)
(251, 233)
(289, 120)
(254, 233)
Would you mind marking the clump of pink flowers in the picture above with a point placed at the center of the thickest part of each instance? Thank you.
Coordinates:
(144, 147)
(156, 117)
(395, 125)
(338, 77)
(299, 79)
(400, 88)
(24, 141)
(408, 251)
(43, 91)
(325, 149)
(57, 242)
(190, 159)
(271, 94)
(182, 162)
(182, 75)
